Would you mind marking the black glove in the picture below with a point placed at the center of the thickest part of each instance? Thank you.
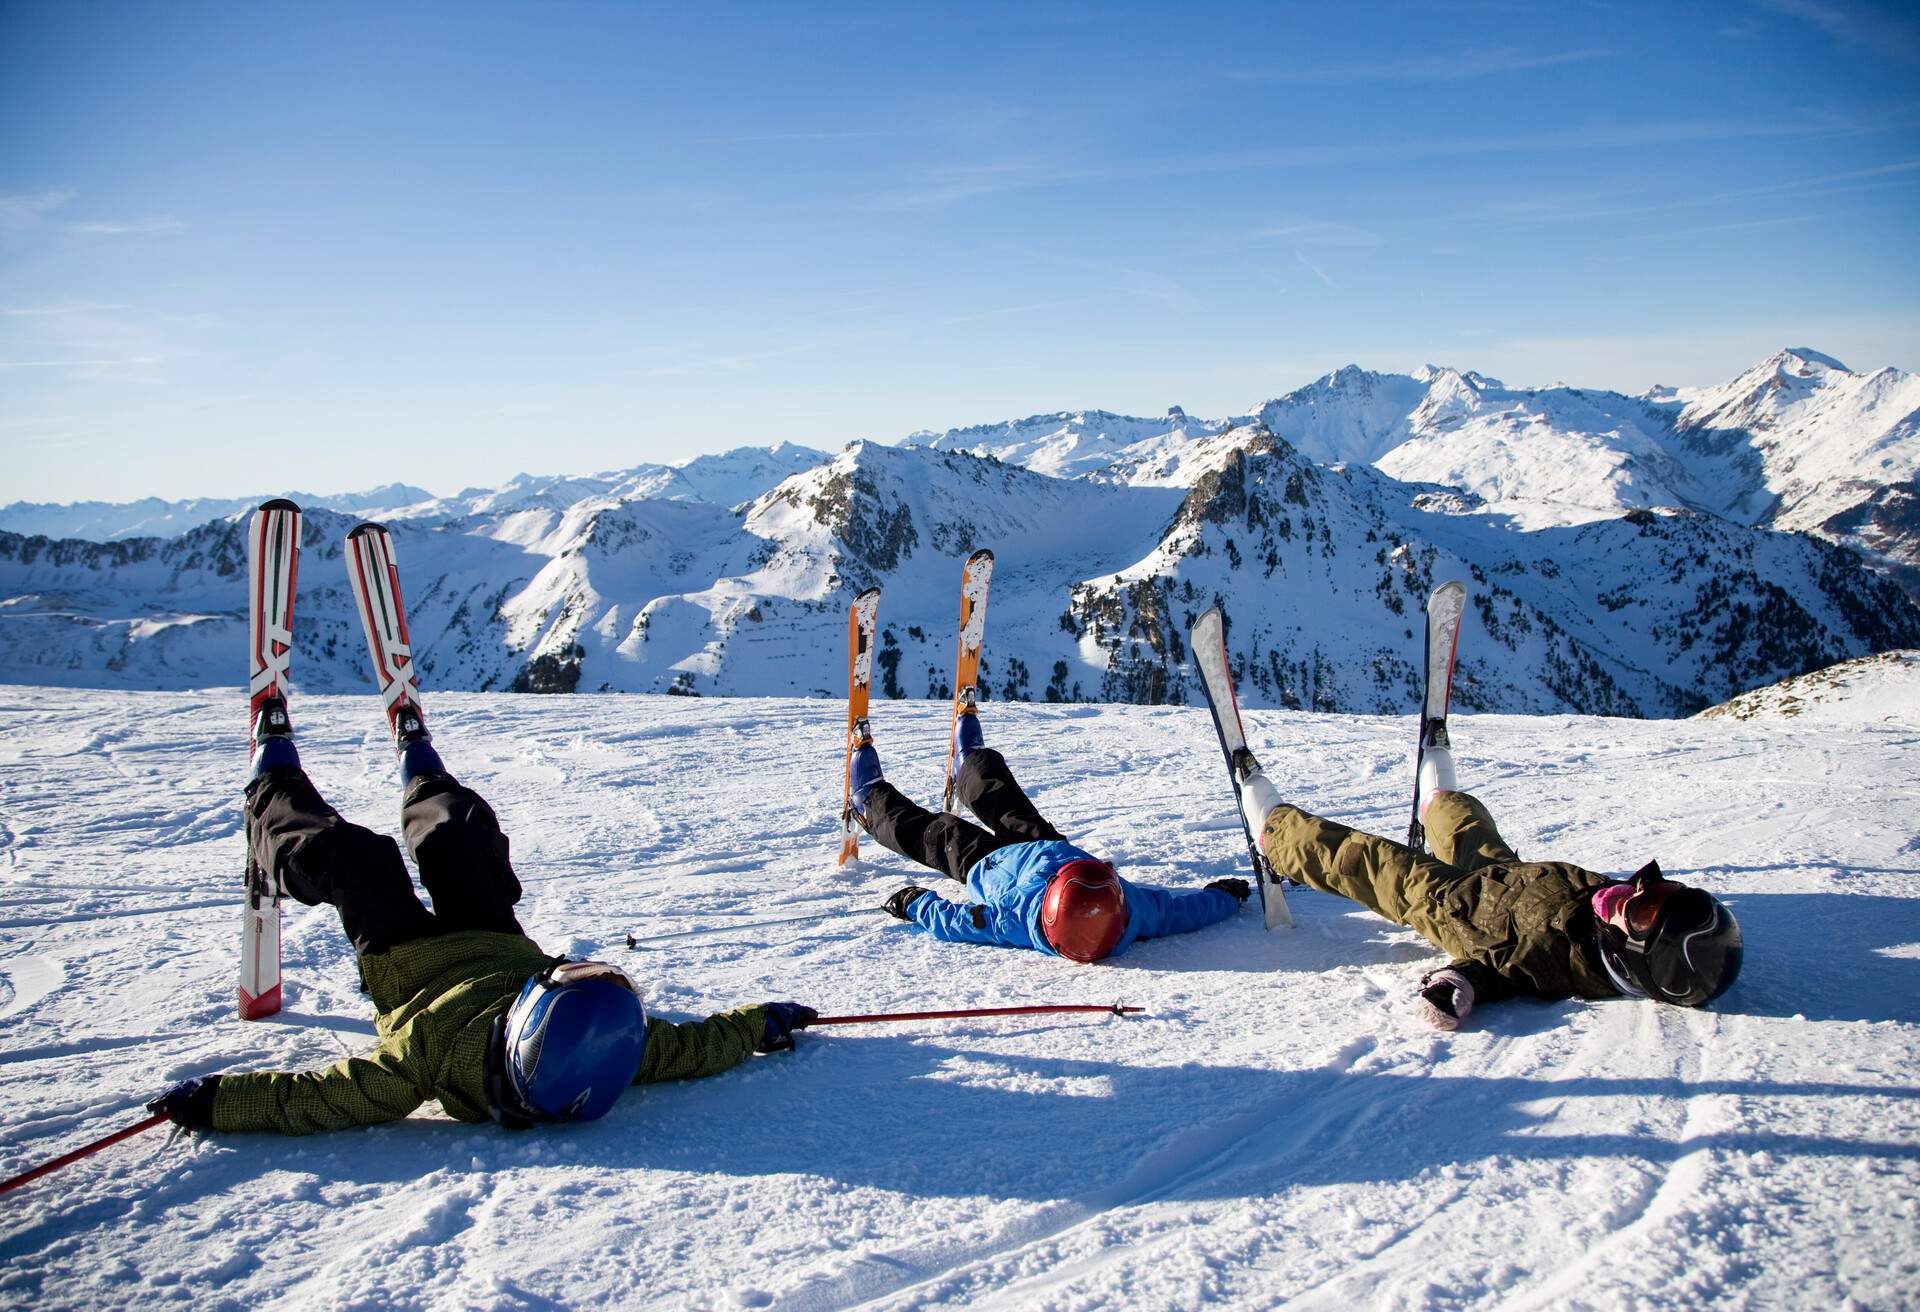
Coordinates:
(1239, 889)
(897, 904)
(783, 1018)
(190, 1104)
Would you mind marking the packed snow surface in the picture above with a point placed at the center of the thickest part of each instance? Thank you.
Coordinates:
(1277, 1130)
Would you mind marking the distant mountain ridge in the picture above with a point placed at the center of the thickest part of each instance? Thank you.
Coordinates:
(1625, 555)
(109, 521)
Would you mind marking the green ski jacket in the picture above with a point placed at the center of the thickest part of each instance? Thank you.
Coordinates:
(436, 1000)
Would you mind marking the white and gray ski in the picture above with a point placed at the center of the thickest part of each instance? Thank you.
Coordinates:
(1209, 642)
(273, 566)
(374, 576)
(1445, 606)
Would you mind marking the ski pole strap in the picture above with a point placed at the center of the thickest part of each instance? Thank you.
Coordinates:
(68, 1159)
(1111, 1008)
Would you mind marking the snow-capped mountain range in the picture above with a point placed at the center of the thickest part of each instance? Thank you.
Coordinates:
(1645, 555)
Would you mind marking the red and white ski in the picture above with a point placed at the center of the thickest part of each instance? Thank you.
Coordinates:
(1209, 642)
(975, 578)
(1445, 606)
(860, 628)
(375, 579)
(273, 566)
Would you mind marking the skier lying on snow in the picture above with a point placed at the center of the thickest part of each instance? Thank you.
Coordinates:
(1515, 928)
(470, 1010)
(1035, 889)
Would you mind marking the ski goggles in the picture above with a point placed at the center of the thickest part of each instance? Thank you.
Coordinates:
(561, 971)
(1651, 892)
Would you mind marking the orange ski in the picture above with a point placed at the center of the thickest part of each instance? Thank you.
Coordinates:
(860, 628)
(975, 577)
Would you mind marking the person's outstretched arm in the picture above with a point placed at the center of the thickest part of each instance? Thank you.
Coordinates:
(1158, 912)
(960, 922)
(384, 1086)
(698, 1048)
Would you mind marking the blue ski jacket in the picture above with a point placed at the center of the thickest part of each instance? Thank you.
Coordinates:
(1011, 885)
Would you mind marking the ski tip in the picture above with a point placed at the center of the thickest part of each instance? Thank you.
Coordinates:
(279, 503)
(985, 553)
(366, 529)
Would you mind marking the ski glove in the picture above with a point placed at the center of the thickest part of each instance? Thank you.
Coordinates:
(902, 899)
(1238, 889)
(1446, 999)
(783, 1018)
(189, 1104)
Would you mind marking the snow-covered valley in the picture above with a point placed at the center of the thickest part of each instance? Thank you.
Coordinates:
(1277, 1130)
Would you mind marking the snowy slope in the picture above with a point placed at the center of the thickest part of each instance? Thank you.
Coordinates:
(1819, 437)
(728, 478)
(1277, 1130)
(1073, 443)
(1353, 413)
(105, 521)
(1868, 690)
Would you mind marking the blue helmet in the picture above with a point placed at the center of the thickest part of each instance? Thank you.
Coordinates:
(568, 1046)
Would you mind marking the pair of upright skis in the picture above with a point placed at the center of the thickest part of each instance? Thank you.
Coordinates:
(1445, 606)
(273, 567)
(976, 577)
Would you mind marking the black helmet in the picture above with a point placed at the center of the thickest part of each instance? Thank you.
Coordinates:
(1679, 944)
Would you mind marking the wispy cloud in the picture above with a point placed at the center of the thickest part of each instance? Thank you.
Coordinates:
(1888, 31)
(947, 185)
(755, 138)
(81, 364)
(1592, 207)
(54, 311)
(1311, 267)
(807, 344)
(1315, 232)
(1460, 66)
(24, 210)
(127, 227)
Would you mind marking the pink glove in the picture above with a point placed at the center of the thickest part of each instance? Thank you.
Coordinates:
(1446, 999)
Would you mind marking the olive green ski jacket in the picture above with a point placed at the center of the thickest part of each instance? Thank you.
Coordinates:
(1512, 926)
(436, 1000)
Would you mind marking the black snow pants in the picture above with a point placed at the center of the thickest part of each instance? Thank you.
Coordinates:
(947, 843)
(318, 856)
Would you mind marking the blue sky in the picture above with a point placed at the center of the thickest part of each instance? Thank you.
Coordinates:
(248, 247)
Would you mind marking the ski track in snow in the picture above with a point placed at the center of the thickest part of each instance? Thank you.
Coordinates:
(1277, 1131)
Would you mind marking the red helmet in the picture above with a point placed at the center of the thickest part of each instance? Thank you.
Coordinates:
(1085, 911)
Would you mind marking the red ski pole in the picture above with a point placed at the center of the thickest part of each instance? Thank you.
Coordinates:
(68, 1159)
(1112, 1009)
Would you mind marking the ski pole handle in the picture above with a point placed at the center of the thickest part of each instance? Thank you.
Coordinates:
(68, 1159)
(1112, 1009)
